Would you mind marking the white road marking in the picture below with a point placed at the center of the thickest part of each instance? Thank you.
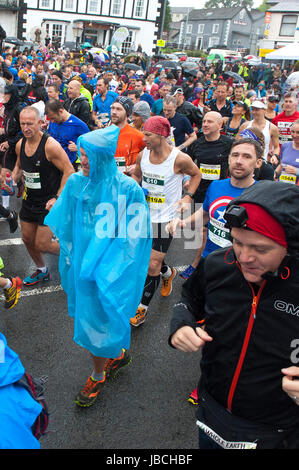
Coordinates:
(57, 288)
(11, 241)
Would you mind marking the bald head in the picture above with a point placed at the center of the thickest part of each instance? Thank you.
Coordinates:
(211, 125)
(73, 89)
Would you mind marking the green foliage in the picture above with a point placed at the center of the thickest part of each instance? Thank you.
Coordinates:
(167, 19)
(228, 3)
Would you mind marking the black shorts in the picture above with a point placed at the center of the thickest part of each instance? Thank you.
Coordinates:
(33, 213)
(161, 238)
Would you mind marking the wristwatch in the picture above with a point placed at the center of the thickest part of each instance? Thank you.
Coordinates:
(189, 194)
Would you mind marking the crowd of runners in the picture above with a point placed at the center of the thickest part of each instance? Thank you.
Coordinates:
(185, 147)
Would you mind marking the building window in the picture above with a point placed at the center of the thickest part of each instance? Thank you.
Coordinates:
(57, 31)
(68, 4)
(45, 4)
(93, 6)
(139, 8)
(215, 28)
(201, 27)
(189, 28)
(116, 7)
(213, 41)
(288, 25)
(127, 44)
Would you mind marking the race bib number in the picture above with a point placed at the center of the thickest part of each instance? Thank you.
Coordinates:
(240, 445)
(284, 131)
(219, 234)
(32, 180)
(121, 164)
(155, 200)
(155, 180)
(210, 172)
(287, 178)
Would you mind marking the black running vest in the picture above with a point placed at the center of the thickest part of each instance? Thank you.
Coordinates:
(42, 178)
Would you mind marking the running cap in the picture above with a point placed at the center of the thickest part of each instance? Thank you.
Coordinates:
(258, 104)
(142, 109)
(247, 133)
(126, 103)
(257, 219)
(157, 125)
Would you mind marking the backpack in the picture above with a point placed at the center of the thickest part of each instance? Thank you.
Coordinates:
(35, 386)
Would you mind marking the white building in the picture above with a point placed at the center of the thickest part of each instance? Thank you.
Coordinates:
(96, 20)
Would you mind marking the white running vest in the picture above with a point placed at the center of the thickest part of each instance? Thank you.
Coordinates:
(163, 185)
(267, 137)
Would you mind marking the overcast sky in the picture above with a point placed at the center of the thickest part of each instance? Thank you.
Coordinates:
(198, 3)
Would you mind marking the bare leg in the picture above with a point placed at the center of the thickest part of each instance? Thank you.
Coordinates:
(29, 231)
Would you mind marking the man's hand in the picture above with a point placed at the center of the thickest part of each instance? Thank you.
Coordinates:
(172, 226)
(72, 146)
(291, 170)
(4, 146)
(183, 204)
(289, 383)
(187, 340)
(50, 203)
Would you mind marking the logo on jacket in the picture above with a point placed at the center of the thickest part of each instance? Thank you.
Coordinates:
(283, 306)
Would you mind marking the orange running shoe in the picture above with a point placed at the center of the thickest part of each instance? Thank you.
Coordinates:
(166, 288)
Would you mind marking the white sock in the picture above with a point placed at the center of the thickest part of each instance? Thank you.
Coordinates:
(43, 269)
(8, 285)
(168, 273)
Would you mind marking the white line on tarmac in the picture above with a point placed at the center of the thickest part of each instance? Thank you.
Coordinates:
(11, 241)
(58, 288)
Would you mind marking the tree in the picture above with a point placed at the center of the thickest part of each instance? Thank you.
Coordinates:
(263, 6)
(167, 19)
(228, 3)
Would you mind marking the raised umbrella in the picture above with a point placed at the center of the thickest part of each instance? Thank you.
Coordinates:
(234, 75)
(167, 64)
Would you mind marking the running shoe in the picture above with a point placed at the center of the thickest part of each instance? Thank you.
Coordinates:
(139, 317)
(13, 221)
(166, 288)
(114, 365)
(193, 397)
(12, 293)
(89, 393)
(36, 277)
(187, 273)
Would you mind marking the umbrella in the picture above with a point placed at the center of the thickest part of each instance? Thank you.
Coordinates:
(215, 57)
(130, 66)
(254, 62)
(188, 65)
(168, 64)
(13, 40)
(86, 45)
(191, 72)
(234, 75)
(112, 48)
(135, 55)
(248, 57)
(293, 80)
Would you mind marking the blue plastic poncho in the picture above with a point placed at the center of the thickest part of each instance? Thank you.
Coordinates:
(18, 410)
(103, 225)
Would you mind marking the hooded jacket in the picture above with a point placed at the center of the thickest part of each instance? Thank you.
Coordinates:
(103, 258)
(11, 123)
(18, 410)
(253, 327)
(80, 108)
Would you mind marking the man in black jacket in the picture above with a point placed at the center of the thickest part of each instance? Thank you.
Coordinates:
(76, 103)
(241, 307)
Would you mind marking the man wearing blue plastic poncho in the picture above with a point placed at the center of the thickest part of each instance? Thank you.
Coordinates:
(102, 221)
(18, 410)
